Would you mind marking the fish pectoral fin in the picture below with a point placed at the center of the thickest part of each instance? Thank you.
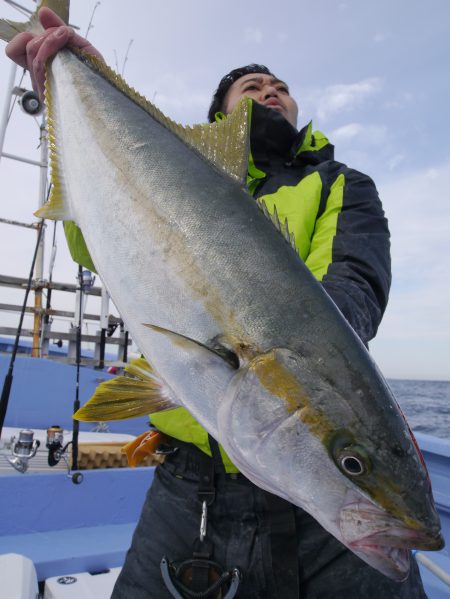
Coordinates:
(142, 393)
(196, 349)
(195, 368)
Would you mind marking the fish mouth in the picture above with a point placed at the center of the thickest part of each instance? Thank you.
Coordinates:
(384, 541)
(402, 538)
(393, 562)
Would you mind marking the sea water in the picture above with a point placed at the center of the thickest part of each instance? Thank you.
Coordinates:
(426, 405)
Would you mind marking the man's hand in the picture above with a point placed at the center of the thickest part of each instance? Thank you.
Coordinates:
(31, 51)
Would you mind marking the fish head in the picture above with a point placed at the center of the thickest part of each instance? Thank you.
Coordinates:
(335, 449)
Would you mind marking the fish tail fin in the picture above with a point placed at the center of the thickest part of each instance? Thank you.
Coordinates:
(8, 29)
(140, 394)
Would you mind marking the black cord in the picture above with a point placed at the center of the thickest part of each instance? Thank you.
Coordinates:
(9, 376)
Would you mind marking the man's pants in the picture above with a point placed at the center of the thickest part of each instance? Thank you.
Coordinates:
(281, 551)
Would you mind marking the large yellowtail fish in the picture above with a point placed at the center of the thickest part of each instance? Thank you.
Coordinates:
(236, 328)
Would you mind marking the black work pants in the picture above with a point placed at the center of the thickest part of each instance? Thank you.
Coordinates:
(282, 552)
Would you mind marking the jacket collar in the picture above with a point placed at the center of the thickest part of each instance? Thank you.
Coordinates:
(274, 141)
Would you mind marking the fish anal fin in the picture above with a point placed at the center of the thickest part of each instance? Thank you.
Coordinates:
(57, 207)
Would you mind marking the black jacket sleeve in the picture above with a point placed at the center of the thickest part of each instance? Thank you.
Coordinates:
(358, 277)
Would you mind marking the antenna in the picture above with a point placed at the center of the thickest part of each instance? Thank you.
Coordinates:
(125, 60)
(90, 26)
(126, 57)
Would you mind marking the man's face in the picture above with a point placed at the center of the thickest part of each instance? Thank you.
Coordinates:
(266, 90)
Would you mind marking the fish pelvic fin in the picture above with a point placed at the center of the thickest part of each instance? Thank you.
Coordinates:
(8, 29)
(140, 393)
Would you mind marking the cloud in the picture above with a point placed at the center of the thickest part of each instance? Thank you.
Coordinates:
(176, 98)
(419, 217)
(395, 161)
(415, 335)
(380, 38)
(400, 101)
(372, 135)
(345, 97)
(253, 35)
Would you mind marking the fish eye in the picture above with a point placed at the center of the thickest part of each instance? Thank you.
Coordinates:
(352, 465)
(353, 461)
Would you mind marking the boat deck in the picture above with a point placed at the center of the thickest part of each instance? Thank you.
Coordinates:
(65, 528)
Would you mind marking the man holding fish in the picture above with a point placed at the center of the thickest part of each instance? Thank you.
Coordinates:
(253, 540)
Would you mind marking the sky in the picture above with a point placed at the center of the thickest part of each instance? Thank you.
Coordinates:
(372, 75)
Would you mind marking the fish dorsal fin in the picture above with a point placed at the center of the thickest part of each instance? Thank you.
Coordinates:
(142, 393)
(225, 144)
(283, 228)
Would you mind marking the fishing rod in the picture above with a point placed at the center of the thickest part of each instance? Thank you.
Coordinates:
(86, 281)
(432, 567)
(48, 305)
(76, 404)
(6, 391)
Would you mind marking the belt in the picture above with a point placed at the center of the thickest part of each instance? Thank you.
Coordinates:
(187, 460)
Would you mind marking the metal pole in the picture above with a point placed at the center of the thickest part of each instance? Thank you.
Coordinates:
(7, 105)
(39, 270)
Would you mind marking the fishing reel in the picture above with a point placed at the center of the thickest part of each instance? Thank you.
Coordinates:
(29, 101)
(57, 451)
(86, 280)
(22, 450)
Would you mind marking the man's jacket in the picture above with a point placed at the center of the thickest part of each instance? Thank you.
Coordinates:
(337, 220)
